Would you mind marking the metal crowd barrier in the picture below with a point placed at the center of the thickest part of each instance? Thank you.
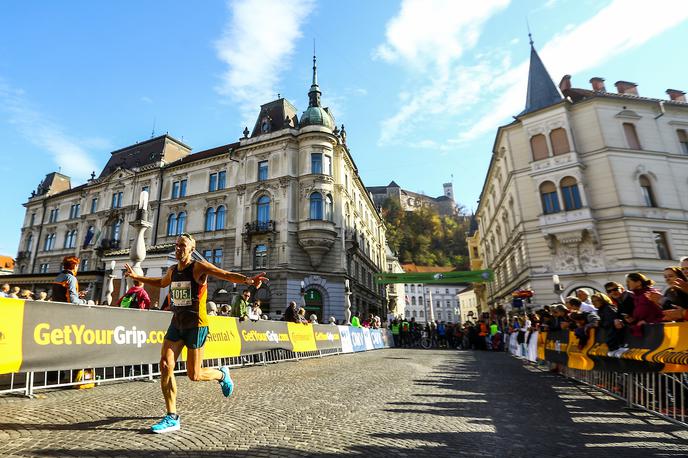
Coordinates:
(27, 383)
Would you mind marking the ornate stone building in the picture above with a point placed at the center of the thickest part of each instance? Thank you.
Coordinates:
(585, 184)
(286, 198)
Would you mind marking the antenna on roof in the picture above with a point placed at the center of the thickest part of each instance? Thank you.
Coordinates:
(153, 131)
(530, 36)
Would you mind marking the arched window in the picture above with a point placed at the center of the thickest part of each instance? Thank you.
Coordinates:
(171, 224)
(263, 210)
(413, 300)
(181, 222)
(570, 194)
(414, 313)
(631, 135)
(29, 242)
(316, 206)
(329, 208)
(538, 144)
(210, 219)
(560, 141)
(421, 313)
(260, 257)
(646, 188)
(550, 200)
(220, 218)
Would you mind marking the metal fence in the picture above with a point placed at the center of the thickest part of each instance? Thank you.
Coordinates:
(27, 383)
(663, 394)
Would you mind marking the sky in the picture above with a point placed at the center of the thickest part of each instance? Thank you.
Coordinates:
(421, 85)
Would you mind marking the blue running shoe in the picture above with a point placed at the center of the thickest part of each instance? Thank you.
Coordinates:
(226, 383)
(166, 425)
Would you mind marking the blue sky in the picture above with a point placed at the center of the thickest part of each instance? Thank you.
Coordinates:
(420, 85)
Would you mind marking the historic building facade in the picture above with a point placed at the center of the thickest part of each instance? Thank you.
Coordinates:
(437, 302)
(588, 186)
(286, 199)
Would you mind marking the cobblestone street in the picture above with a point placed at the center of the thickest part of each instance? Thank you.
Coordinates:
(380, 403)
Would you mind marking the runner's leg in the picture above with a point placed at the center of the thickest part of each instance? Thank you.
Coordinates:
(196, 373)
(168, 357)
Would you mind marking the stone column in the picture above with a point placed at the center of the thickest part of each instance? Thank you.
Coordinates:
(137, 252)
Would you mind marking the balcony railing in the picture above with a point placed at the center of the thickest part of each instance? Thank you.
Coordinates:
(259, 227)
(21, 255)
(109, 244)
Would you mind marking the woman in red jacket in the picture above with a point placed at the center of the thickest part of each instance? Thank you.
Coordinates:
(645, 311)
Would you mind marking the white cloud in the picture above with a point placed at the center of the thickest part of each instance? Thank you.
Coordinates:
(613, 30)
(68, 153)
(429, 38)
(256, 45)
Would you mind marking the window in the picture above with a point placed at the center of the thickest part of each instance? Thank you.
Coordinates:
(329, 208)
(53, 215)
(413, 300)
(570, 193)
(179, 189)
(439, 316)
(70, 239)
(145, 188)
(260, 257)
(683, 140)
(550, 200)
(316, 206)
(414, 314)
(116, 231)
(32, 220)
(221, 180)
(171, 224)
(316, 163)
(631, 135)
(220, 218)
(327, 165)
(421, 313)
(181, 222)
(117, 199)
(49, 243)
(84, 265)
(217, 257)
(175, 190)
(208, 255)
(28, 243)
(448, 304)
(538, 144)
(262, 170)
(212, 184)
(646, 189)
(94, 205)
(89, 239)
(44, 268)
(263, 210)
(662, 245)
(446, 291)
(560, 142)
(74, 211)
(210, 219)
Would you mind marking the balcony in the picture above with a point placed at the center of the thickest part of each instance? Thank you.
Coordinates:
(566, 218)
(552, 163)
(22, 255)
(258, 227)
(316, 237)
(569, 227)
(109, 244)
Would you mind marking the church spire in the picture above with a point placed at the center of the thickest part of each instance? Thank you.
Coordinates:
(542, 92)
(314, 93)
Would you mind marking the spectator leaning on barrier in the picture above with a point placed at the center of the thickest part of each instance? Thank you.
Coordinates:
(610, 320)
(291, 314)
(254, 311)
(211, 307)
(333, 321)
(623, 300)
(355, 320)
(26, 295)
(240, 306)
(66, 286)
(42, 296)
(14, 293)
(5, 290)
(135, 298)
(645, 311)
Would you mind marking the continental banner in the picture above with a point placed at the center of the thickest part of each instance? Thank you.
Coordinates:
(662, 348)
(38, 336)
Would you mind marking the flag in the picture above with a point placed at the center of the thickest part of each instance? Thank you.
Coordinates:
(466, 276)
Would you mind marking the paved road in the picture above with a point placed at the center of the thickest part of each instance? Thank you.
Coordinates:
(411, 403)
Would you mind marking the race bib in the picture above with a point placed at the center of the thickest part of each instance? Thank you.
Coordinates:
(181, 293)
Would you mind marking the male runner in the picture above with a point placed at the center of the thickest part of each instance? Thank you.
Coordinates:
(188, 282)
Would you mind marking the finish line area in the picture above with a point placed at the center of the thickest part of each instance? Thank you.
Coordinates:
(388, 402)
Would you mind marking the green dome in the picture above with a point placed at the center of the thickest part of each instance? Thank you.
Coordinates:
(316, 116)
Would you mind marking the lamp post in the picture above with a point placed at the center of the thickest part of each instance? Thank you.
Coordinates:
(110, 286)
(347, 296)
(303, 294)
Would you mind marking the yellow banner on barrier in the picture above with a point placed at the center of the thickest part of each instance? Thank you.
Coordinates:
(11, 329)
(302, 337)
(223, 338)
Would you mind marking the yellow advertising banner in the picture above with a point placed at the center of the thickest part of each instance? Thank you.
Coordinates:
(302, 337)
(11, 326)
(223, 339)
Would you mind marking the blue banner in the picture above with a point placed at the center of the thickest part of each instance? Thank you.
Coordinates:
(357, 339)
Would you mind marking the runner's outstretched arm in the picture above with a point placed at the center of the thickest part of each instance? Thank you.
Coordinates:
(160, 282)
(205, 268)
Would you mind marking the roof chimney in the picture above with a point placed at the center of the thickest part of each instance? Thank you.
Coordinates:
(676, 95)
(626, 87)
(598, 84)
(565, 83)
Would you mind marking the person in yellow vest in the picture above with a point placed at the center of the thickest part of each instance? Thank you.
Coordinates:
(188, 282)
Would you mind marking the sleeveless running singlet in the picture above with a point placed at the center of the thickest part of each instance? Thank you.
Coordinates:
(187, 298)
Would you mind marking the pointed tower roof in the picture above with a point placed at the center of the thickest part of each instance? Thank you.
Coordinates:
(315, 114)
(542, 92)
